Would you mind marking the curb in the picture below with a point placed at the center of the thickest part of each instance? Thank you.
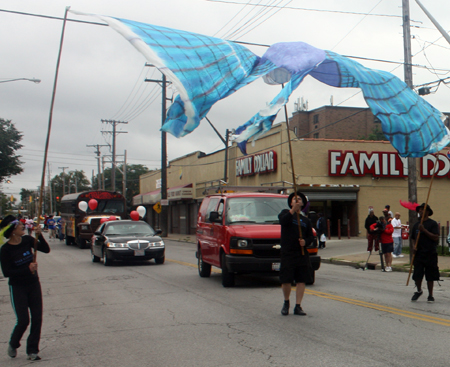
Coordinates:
(360, 264)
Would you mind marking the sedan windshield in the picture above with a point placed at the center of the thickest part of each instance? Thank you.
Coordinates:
(254, 210)
(129, 229)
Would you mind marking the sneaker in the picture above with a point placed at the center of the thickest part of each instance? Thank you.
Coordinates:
(388, 268)
(401, 255)
(33, 357)
(12, 352)
(298, 311)
(416, 296)
(430, 299)
(395, 256)
(285, 309)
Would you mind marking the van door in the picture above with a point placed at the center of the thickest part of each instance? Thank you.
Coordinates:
(206, 233)
(219, 236)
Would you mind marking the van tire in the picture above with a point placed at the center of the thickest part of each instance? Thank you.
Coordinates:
(227, 276)
(204, 269)
(313, 278)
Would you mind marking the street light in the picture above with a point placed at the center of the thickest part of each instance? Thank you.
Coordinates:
(37, 81)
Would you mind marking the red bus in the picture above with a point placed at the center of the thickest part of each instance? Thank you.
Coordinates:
(79, 226)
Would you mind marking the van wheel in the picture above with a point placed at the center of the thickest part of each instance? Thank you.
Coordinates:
(313, 278)
(204, 269)
(227, 276)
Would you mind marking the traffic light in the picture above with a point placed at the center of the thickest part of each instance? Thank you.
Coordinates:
(57, 198)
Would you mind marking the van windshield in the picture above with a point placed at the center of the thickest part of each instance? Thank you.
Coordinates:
(254, 210)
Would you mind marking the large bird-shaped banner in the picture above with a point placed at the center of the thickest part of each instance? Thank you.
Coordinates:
(206, 69)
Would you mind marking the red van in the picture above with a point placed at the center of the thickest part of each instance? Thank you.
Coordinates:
(240, 233)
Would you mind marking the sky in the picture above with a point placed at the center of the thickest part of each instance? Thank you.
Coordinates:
(101, 75)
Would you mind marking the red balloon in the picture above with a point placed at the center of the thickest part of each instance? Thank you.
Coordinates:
(93, 204)
(134, 215)
(112, 217)
(103, 220)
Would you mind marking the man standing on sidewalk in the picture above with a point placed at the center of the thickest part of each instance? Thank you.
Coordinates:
(397, 235)
(425, 259)
(371, 237)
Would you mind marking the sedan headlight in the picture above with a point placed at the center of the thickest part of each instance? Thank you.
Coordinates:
(156, 244)
(116, 245)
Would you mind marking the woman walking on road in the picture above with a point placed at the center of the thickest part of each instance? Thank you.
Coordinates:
(17, 262)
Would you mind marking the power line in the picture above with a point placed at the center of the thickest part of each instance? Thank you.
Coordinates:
(309, 9)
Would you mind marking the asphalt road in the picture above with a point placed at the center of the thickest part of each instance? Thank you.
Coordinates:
(166, 315)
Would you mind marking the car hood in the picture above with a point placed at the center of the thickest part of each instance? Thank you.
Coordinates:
(123, 239)
(256, 230)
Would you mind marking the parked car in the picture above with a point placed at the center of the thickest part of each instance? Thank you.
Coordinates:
(240, 233)
(126, 240)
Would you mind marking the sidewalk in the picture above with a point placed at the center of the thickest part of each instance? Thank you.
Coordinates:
(350, 252)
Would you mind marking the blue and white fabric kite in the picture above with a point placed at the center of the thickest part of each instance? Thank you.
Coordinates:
(206, 69)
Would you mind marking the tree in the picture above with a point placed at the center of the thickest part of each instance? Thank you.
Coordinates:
(10, 163)
(376, 135)
(133, 173)
(73, 181)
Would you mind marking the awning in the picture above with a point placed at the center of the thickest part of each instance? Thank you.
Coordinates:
(180, 192)
(148, 198)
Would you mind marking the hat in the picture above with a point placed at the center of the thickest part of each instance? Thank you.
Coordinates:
(7, 220)
(303, 197)
(430, 211)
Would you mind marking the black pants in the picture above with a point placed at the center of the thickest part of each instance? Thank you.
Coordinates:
(24, 298)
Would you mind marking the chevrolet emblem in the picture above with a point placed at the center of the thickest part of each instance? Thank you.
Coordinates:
(277, 247)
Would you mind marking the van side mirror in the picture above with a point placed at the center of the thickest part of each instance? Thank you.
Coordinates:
(158, 231)
(214, 217)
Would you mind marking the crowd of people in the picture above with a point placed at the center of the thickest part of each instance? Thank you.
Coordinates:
(384, 234)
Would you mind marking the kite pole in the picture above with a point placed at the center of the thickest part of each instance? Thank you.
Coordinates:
(293, 174)
(421, 220)
(49, 130)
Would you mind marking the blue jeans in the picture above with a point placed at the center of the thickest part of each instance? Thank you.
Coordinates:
(397, 245)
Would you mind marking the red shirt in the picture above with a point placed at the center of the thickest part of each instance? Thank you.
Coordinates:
(386, 235)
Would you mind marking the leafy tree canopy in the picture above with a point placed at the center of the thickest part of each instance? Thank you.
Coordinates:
(376, 135)
(10, 163)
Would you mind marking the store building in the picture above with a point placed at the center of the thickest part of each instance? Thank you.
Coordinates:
(342, 179)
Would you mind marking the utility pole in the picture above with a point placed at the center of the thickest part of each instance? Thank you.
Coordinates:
(50, 188)
(98, 162)
(114, 123)
(164, 208)
(64, 179)
(124, 175)
(412, 172)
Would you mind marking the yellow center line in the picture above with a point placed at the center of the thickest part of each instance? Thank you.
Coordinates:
(374, 306)
(213, 269)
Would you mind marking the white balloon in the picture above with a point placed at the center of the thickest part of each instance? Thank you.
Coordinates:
(82, 205)
(141, 210)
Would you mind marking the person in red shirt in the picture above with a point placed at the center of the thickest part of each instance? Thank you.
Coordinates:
(385, 230)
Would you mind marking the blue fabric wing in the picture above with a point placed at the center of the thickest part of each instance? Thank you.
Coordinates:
(204, 70)
(413, 126)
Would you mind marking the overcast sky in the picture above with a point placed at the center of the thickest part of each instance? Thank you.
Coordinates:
(102, 76)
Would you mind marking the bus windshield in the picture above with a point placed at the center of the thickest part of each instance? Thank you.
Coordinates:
(108, 206)
(254, 210)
